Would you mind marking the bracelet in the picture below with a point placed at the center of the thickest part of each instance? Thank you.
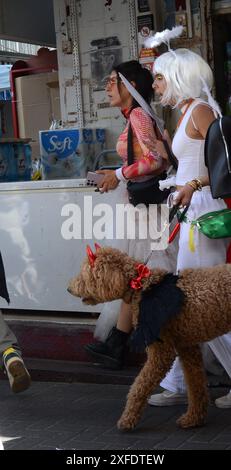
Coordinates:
(195, 184)
(192, 184)
(199, 184)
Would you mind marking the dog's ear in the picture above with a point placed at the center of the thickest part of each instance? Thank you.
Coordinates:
(127, 297)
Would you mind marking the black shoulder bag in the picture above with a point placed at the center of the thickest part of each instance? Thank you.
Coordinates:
(144, 192)
(218, 156)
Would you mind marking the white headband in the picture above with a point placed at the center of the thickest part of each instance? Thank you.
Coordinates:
(164, 37)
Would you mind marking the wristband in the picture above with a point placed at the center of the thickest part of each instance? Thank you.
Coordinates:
(119, 174)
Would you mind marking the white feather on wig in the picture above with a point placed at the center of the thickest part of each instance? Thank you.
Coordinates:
(211, 101)
(164, 37)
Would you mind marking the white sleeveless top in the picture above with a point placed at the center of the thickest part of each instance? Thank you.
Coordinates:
(189, 152)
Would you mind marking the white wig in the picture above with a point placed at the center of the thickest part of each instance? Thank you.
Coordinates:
(186, 74)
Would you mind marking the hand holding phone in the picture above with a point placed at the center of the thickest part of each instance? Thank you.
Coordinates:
(94, 179)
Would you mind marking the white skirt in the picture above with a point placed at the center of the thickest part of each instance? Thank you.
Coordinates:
(139, 249)
(208, 252)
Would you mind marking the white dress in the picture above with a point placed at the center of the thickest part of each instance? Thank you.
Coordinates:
(208, 252)
(139, 249)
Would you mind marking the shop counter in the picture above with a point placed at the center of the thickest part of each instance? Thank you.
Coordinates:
(37, 222)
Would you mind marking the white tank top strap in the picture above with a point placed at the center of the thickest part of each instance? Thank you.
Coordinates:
(196, 103)
(189, 151)
(194, 125)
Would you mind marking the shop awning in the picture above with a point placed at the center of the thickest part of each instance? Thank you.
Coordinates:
(29, 21)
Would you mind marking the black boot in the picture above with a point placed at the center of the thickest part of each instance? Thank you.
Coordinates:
(111, 352)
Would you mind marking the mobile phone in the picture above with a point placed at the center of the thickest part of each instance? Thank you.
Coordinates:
(93, 179)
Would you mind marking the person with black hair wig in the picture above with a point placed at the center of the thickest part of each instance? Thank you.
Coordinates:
(147, 162)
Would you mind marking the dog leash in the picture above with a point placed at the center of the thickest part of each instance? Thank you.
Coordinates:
(180, 219)
(176, 229)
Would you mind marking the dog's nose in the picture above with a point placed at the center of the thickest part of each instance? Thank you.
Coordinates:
(69, 290)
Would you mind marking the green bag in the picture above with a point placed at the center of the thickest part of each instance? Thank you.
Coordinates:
(215, 224)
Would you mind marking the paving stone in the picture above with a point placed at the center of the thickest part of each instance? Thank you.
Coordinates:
(83, 416)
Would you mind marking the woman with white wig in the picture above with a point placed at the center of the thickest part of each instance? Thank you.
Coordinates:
(183, 80)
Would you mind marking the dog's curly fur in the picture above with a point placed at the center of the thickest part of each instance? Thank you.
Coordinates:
(206, 314)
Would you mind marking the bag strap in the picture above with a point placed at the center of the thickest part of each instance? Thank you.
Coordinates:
(130, 149)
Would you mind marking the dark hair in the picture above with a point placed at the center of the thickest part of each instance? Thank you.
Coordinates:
(133, 71)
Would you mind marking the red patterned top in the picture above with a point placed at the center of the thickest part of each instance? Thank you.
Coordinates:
(147, 160)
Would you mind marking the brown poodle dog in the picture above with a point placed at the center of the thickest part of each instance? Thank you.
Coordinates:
(205, 314)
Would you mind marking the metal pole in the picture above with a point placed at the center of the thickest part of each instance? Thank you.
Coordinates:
(76, 62)
(134, 53)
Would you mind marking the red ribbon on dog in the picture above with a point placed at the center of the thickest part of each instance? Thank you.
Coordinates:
(143, 272)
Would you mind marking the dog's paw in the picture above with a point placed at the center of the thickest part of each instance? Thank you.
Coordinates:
(126, 423)
(189, 420)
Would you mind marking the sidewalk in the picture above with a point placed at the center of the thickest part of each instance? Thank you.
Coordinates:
(57, 415)
(74, 405)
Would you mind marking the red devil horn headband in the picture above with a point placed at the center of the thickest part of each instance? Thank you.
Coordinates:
(91, 255)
